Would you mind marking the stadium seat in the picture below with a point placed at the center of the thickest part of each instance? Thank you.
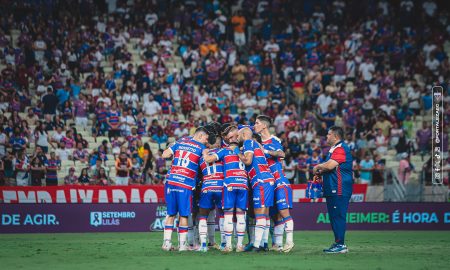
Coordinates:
(392, 164)
(100, 139)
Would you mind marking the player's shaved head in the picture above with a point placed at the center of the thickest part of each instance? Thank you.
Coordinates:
(245, 133)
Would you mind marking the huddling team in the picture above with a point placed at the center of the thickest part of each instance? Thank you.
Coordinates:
(238, 171)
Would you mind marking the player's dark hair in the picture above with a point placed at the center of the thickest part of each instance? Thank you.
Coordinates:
(216, 127)
(265, 118)
(209, 130)
(201, 129)
(338, 131)
(226, 128)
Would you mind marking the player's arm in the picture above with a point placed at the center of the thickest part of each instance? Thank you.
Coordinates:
(277, 149)
(337, 157)
(325, 167)
(275, 153)
(247, 156)
(209, 157)
(167, 153)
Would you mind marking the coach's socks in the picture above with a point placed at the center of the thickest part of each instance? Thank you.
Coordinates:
(211, 221)
(278, 233)
(182, 234)
(289, 229)
(202, 229)
(228, 227)
(259, 229)
(240, 228)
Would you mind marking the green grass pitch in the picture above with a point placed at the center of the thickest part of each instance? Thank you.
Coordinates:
(368, 250)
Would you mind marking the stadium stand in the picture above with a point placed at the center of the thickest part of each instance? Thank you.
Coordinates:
(134, 76)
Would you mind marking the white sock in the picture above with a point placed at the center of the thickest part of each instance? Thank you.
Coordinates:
(251, 230)
(222, 231)
(212, 227)
(182, 234)
(240, 227)
(265, 239)
(168, 229)
(289, 229)
(278, 231)
(228, 227)
(259, 229)
(202, 229)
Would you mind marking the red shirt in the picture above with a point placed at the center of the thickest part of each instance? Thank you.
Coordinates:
(215, 109)
(187, 102)
(290, 124)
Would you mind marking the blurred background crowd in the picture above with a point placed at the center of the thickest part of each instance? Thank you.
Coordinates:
(93, 90)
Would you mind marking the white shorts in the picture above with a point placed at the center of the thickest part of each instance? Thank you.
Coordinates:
(81, 121)
(121, 181)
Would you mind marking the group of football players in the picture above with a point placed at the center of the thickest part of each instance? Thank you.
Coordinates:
(236, 171)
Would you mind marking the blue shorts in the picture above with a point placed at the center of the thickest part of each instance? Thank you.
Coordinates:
(263, 195)
(283, 197)
(178, 200)
(209, 199)
(235, 198)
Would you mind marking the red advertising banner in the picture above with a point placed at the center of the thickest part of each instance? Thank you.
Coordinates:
(83, 194)
(120, 194)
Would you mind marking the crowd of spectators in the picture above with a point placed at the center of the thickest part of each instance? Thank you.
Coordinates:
(135, 74)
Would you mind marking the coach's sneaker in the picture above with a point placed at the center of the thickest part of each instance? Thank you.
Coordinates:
(336, 249)
(288, 247)
(332, 246)
(203, 248)
(167, 246)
